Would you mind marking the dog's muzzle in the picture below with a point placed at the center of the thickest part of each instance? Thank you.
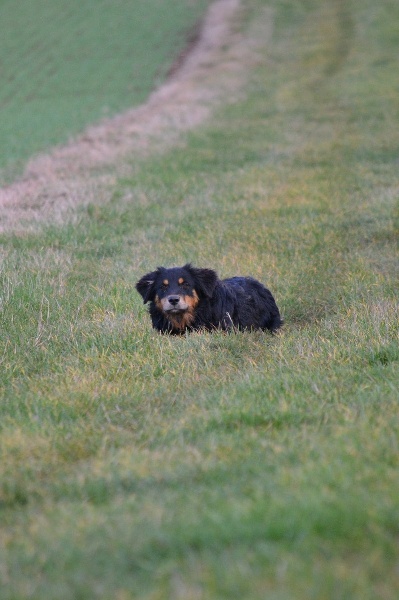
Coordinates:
(174, 304)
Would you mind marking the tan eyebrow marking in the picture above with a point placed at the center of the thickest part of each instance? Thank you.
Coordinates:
(181, 280)
(165, 282)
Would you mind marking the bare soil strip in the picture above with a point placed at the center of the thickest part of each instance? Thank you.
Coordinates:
(213, 71)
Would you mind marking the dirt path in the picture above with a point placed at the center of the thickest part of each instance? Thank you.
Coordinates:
(214, 71)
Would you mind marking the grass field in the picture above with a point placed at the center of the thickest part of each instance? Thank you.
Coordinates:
(66, 64)
(217, 466)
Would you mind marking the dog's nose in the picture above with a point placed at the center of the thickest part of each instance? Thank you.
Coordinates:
(173, 300)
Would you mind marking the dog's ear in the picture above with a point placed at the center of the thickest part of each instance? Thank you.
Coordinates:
(205, 279)
(146, 286)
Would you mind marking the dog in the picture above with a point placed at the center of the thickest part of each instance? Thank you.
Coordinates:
(191, 299)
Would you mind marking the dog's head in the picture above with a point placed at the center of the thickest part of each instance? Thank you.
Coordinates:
(177, 291)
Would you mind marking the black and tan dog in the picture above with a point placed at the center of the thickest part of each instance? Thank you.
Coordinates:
(188, 298)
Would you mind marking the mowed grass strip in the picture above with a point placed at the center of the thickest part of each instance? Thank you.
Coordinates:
(66, 64)
(213, 465)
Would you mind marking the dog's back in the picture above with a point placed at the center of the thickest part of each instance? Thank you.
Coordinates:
(252, 304)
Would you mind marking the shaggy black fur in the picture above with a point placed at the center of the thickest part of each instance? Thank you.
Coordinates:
(188, 298)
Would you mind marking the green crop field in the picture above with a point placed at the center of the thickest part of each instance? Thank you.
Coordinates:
(66, 63)
(221, 466)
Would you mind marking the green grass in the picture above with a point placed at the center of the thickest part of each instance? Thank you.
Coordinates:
(69, 63)
(215, 466)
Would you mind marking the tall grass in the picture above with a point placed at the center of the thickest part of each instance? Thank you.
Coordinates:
(213, 465)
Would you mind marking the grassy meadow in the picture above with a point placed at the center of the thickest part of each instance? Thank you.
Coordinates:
(217, 466)
(69, 63)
